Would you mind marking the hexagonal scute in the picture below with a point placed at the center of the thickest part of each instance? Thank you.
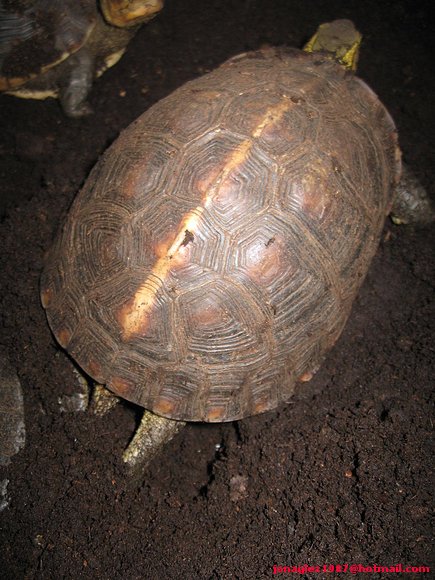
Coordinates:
(221, 324)
(230, 175)
(185, 114)
(151, 231)
(248, 110)
(140, 294)
(107, 178)
(202, 163)
(127, 175)
(310, 187)
(262, 256)
(151, 161)
(211, 244)
(298, 125)
(243, 192)
(277, 122)
(95, 231)
(156, 340)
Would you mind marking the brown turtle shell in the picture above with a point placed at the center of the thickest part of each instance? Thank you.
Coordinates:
(213, 255)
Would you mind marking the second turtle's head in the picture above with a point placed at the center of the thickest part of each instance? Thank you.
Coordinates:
(126, 13)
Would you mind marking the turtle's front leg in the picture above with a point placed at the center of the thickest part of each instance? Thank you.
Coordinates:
(79, 82)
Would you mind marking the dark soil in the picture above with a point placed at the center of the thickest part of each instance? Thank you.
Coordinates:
(339, 475)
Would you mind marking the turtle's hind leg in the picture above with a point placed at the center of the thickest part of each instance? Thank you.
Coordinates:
(152, 434)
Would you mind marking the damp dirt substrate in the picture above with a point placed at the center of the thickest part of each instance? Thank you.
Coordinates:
(342, 473)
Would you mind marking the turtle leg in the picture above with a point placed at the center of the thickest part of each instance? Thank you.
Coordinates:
(79, 82)
(102, 400)
(150, 437)
(412, 204)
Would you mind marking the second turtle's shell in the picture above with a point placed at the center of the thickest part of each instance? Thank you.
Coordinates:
(213, 255)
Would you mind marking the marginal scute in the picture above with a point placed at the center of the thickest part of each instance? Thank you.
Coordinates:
(212, 258)
(121, 386)
(46, 297)
(215, 414)
(95, 370)
(306, 377)
(260, 407)
(163, 407)
(63, 336)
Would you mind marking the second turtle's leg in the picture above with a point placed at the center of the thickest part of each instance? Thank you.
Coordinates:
(74, 94)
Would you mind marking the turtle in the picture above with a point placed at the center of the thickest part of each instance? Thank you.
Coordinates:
(211, 259)
(55, 48)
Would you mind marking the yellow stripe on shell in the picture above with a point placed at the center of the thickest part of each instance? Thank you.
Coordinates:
(134, 315)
